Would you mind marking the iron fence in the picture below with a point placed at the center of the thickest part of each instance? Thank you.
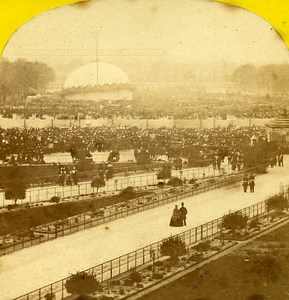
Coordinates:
(114, 184)
(110, 269)
(43, 233)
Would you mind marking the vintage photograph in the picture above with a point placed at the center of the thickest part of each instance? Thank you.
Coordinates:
(143, 154)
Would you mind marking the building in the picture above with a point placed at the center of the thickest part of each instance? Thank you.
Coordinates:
(98, 82)
(278, 129)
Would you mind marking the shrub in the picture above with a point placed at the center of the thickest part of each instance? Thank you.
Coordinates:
(121, 291)
(203, 246)
(254, 223)
(128, 282)
(173, 247)
(278, 202)
(49, 296)
(216, 248)
(157, 276)
(140, 285)
(55, 199)
(196, 258)
(127, 193)
(135, 277)
(158, 263)
(115, 282)
(235, 221)
(175, 181)
(193, 181)
(83, 283)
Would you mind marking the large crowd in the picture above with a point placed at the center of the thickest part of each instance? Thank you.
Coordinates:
(148, 105)
(30, 144)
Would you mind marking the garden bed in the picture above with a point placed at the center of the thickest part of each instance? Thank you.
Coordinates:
(26, 217)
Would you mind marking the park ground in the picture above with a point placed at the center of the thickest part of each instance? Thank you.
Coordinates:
(257, 271)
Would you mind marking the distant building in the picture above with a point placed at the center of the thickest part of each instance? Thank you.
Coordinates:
(278, 129)
(97, 81)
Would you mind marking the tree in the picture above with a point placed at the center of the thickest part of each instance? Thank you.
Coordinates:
(235, 221)
(173, 247)
(97, 182)
(278, 202)
(20, 77)
(15, 190)
(83, 284)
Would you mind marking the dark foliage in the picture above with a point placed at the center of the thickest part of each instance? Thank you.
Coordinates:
(235, 221)
(173, 247)
(278, 202)
(83, 283)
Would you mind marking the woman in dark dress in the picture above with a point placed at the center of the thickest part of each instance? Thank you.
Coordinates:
(176, 218)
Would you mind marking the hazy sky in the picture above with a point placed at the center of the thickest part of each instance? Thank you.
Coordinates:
(196, 31)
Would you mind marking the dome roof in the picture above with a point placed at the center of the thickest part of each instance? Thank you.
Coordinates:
(87, 75)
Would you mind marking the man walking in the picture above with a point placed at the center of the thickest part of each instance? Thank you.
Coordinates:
(245, 183)
(252, 185)
(183, 212)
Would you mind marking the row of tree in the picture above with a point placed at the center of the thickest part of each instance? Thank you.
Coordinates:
(272, 79)
(22, 78)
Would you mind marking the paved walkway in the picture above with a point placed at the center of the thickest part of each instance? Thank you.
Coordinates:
(43, 264)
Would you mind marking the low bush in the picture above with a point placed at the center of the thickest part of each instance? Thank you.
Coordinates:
(159, 263)
(115, 282)
(55, 199)
(82, 283)
(175, 181)
(173, 247)
(135, 277)
(254, 223)
(278, 202)
(121, 291)
(196, 258)
(203, 246)
(216, 248)
(235, 221)
(157, 276)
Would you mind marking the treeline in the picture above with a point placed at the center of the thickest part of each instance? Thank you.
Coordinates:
(22, 78)
(271, 79)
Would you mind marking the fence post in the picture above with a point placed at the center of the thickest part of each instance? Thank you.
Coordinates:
(110, 269)
(62, 289)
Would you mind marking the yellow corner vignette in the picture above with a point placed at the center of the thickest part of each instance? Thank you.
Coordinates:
(14, 13)
(276, 12)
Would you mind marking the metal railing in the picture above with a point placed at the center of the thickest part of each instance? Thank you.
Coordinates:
(142, 256)
(114, 184)
(43, 233)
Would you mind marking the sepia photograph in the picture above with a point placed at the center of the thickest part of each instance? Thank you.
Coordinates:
(144, 154)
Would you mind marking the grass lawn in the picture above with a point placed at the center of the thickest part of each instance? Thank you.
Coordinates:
(259, 270)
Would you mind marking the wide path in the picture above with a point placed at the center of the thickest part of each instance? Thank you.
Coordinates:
(32, 268)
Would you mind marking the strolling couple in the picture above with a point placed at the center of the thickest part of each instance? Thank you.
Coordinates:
(179, 216)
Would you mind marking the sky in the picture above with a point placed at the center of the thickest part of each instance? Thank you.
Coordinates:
(186, 31)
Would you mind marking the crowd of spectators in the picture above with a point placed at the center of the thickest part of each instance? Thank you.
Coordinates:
(150, 105)
(29, 145)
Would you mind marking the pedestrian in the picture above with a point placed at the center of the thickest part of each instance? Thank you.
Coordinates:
(245, 183)
(281, 164)
(183, 213)
(176, 218)
(252, 186)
